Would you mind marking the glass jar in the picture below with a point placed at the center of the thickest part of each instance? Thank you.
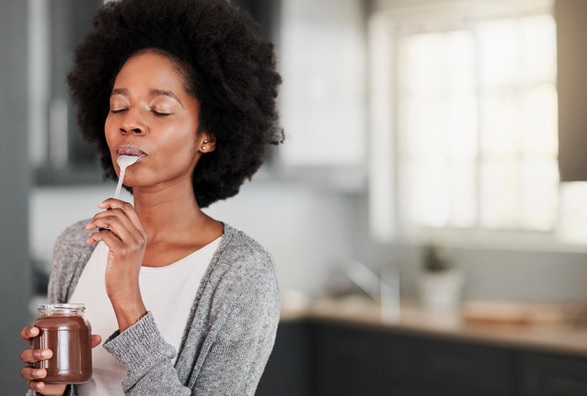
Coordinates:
(64, 330)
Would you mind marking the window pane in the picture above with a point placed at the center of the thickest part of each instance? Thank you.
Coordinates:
(424, 56)
(463, 190)
(572, 226)
(500, 195)
(539, 120)
(460, 56)
(426, 122)
(428, 195)
(539, 192)
(462, 126)
(461, 101)
(500, 122)
(499, 52)
(539, 48)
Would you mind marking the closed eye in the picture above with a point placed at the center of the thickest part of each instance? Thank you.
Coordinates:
(160, 114)
(116, 111)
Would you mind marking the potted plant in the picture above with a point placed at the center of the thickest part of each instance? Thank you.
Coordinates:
(441, 281)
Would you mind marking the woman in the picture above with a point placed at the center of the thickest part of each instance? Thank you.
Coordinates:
(187, 305)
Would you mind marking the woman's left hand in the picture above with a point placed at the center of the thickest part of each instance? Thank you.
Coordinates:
(122, 231)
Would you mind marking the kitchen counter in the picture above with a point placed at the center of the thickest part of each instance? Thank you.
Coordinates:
(413, 318)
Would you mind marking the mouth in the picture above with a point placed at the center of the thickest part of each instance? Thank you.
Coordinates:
(131, 150)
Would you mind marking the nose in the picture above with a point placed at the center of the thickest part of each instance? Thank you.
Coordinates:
(133, 123)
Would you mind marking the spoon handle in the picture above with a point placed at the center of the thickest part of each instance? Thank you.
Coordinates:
(119, 185)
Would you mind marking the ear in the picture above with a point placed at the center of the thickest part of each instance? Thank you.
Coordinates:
(206, 142)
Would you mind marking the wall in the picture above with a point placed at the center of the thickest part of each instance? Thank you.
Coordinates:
(540, 276)
(310, 231)
(14, 179)
(306, 229)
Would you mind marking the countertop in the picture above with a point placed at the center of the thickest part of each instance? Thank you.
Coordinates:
(413, 318)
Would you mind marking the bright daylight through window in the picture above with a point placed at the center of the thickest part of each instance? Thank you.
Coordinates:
(477, 126)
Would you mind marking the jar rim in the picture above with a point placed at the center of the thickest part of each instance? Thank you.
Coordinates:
(62, 308)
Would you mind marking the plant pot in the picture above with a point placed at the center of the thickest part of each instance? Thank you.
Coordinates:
(441, 290)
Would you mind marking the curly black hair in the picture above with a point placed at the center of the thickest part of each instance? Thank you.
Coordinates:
(229, 68)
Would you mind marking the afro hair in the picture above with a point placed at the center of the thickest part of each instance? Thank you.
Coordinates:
(229, 68)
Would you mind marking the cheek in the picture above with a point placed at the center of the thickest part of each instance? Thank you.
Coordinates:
(187, 149)
(177, 147)
(108, 134)
(184, 138)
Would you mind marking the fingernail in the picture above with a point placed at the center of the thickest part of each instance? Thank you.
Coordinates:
(46, 354)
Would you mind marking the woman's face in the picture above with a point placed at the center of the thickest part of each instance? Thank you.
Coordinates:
(151, 115)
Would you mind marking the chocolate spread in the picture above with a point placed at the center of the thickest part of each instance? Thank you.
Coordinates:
(64, 330)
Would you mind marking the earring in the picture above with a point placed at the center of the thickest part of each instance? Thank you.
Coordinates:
(205, 141)
(203, 148)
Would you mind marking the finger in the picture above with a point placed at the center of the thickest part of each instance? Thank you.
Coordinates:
(35, 355)
(31, 374)
(111, 240)
(130, 211)
(105, 215)
(37, 386)
(96, 340)
(117, 241)
(29, 332)
(110, 203)
(120, 221)
(120, 225)
(47, 389)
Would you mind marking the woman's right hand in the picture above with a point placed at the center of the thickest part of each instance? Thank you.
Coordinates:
(34, 376)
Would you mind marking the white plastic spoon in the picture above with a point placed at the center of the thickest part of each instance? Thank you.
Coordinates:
(124, 161)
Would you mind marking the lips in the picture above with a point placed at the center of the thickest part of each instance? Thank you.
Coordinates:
(130, 150)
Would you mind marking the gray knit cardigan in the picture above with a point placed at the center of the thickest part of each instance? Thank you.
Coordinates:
(229, 333)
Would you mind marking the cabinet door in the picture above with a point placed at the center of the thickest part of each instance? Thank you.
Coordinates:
(362, 361)
(420, 387)
(453, 367)
(352, 361)
(288, 370)
(552, 375)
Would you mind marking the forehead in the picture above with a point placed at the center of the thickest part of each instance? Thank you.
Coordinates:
(152, 70)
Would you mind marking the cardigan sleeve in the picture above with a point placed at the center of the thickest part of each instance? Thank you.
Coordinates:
(148, 359)
(69, 254)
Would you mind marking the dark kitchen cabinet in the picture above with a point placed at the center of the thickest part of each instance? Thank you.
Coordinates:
(356, 360)
(553, 375)
(451, 368)
(320, 358)
(351, 361)
(289, 369)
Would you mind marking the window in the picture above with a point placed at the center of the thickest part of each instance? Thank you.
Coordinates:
(463, 119)
(477, 137)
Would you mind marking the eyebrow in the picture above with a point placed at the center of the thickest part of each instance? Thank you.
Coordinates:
(152, 92)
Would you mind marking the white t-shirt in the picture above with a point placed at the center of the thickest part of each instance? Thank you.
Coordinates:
(174, 285)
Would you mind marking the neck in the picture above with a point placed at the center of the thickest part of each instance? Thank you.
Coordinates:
(168, 211)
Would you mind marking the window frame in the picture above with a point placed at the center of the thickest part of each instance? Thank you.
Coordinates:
(387, 23)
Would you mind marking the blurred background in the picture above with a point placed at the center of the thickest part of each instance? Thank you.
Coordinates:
(427, 213)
